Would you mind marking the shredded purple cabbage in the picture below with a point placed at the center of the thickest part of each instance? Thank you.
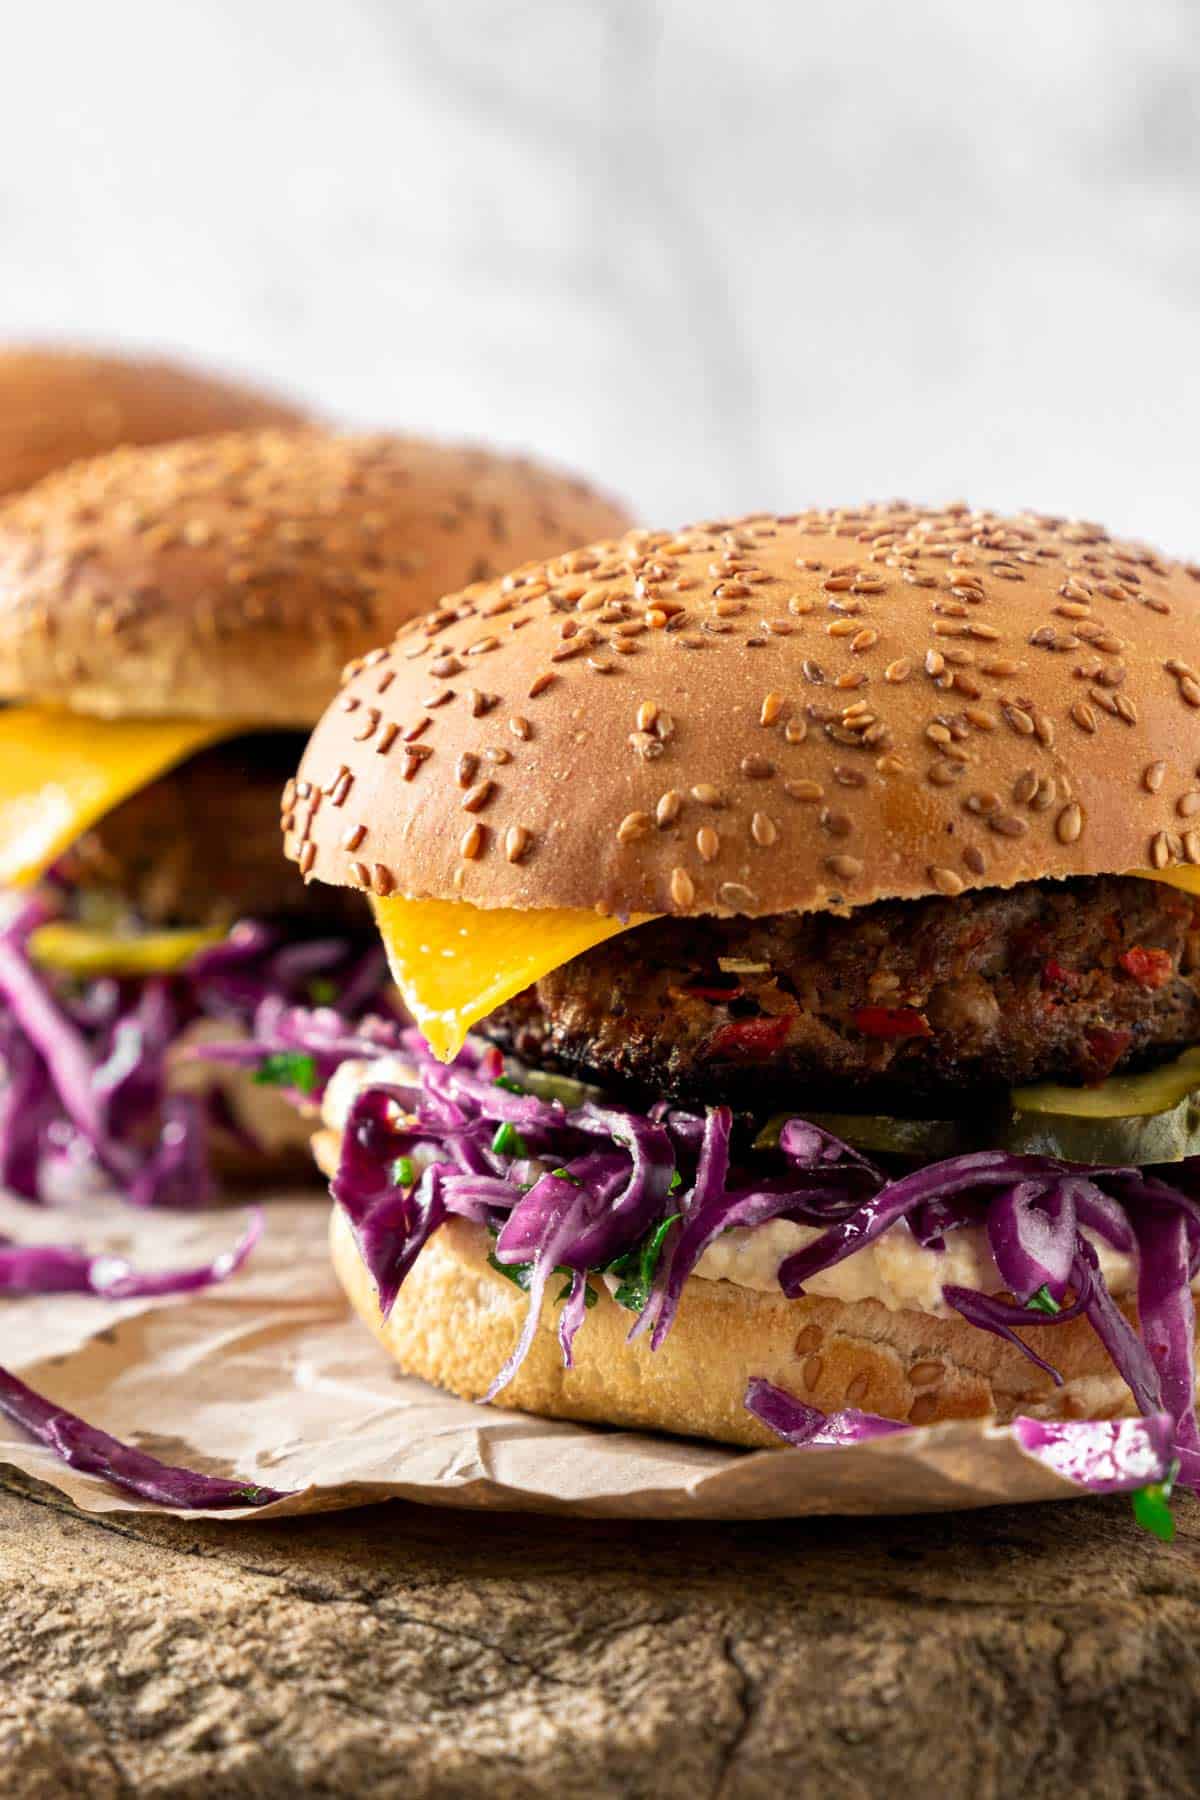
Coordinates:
(64, 1269)
(803, 1425)
(83, 1067)
(582, 1191)
(1104, 1456)
(85, 1447)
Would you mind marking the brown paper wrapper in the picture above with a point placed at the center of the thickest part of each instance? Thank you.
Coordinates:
(270, 1379)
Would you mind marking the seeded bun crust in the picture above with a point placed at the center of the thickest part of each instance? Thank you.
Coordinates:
(456, 1321)
(232, 577)
(59, 405)
(770, 715)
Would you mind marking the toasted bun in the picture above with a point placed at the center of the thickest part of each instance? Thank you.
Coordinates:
(232, 577)
(776, 714)
(59, 405)
(456, 1321)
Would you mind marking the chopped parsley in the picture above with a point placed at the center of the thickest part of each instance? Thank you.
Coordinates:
(1152, 1506)
(322, 991)
(288, 1068)
(508, 1141)
(508, 1084)
(636, 1269)
(404, 1172)
(1044, 1301)
(521, 1275)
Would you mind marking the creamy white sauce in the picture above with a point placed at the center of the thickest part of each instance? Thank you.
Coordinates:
(895, 1269)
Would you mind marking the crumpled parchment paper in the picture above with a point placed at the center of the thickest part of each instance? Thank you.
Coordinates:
(269, 1378)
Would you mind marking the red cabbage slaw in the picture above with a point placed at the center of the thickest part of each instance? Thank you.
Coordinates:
(85, 1080)
(85, 1067)
(585, 1191)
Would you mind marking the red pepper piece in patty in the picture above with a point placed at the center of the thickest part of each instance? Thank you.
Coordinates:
(891, 1022)
(1106, 1048)
(703, 991)
(749, 1040)
(1149, 968)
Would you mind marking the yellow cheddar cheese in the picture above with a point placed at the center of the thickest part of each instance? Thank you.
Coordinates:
(454, 963)
(1184, 876)
(61, 771)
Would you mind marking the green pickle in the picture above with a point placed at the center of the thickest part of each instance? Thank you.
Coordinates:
(1128, 1120)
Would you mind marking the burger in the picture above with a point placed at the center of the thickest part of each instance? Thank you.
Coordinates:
(801, 917)
(171, 623)
(59, 405)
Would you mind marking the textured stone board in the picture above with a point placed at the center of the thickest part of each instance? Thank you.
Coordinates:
(404, 1651)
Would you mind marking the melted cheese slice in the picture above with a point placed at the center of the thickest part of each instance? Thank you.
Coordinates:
(454, 963)
(1184, 876)
(61, 771)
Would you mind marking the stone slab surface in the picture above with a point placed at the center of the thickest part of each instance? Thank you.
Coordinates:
(402, 1651)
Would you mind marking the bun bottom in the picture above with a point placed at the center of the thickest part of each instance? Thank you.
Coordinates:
(456, 1320)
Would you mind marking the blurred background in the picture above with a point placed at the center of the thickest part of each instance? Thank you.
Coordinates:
(718, 256)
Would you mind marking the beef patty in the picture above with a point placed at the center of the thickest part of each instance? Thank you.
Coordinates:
(202, 845)
(908, 1006)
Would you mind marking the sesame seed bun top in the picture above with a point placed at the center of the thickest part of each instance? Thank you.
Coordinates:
(232, 577)
(773, 714)
(58, 405)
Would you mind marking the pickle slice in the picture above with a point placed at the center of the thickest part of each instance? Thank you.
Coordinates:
(923, 1140)
(82, 950)
(1129, 1120)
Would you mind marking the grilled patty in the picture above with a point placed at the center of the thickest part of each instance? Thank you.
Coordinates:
(907, 1006)
(202, 846)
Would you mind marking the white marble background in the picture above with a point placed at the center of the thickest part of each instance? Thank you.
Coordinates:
(720, 255)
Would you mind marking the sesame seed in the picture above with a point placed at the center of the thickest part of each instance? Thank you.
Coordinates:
(541, 682)
(516, 843)
(1160, 850)
(647, 713)
(633, 825)
(846, 868)
(669, 807)
(1069, 823)
(707, 794)
(683, 889)
(900, 670)
(1190, 690)
(521, 728)
(757, 768)
(367, 725)
(467, 768)
(771, 709)
(1188, 804)
(1084, 716)
(946, 881)
(733, 894)
(795, 731)
(1153, 776)
(383, 882)
(360, 874)
(808, 791)
(307, 857)
(472, 841)
(353, 836)
(708, 843)
(476, 798)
